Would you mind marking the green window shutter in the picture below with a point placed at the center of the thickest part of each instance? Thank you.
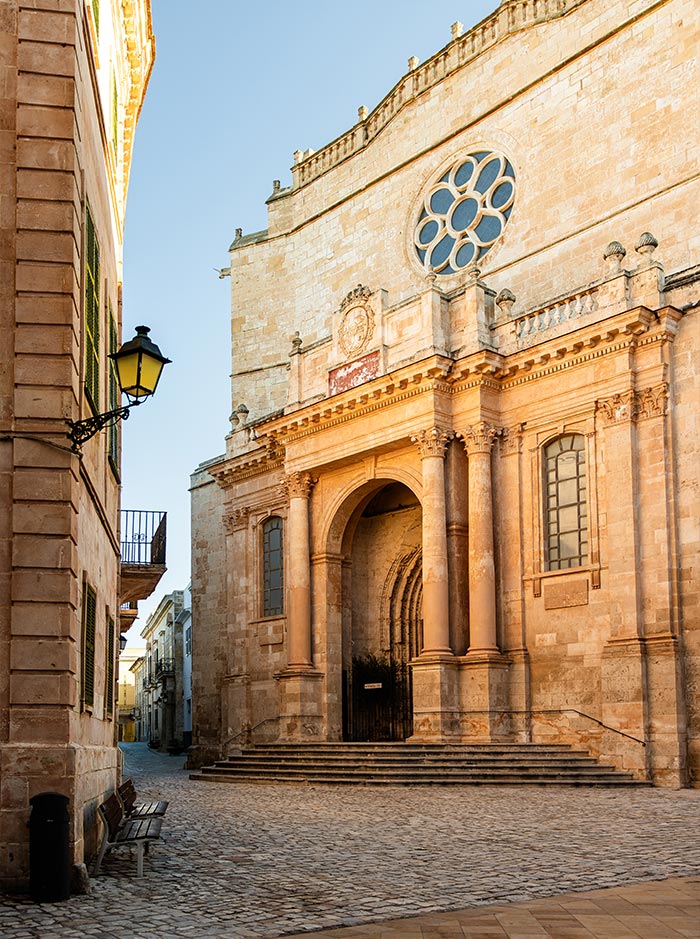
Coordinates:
(109, 670)
(96, 15)
(92, 312)
(113, 430)
(89, 618)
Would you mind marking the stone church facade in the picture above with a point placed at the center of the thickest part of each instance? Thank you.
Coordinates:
(459, 499)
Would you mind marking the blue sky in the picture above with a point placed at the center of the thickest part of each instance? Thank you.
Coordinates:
(236, 89)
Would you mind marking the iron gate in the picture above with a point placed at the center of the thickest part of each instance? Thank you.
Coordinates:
(379, 694)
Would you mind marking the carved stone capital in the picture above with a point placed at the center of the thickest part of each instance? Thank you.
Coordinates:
(479, 438)
(511, 439)
(634, 405)
(235, 520)
(652, 402)
(297, 485)
(618, 409)
(432, 442)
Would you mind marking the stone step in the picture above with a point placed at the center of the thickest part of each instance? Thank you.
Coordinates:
(612, 779)
(414, 764)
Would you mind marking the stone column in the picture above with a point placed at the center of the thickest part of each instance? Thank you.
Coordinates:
(436, 612)
(298, 487)
(483, 671)
(435, 714)
(478, 440)
(300, 684)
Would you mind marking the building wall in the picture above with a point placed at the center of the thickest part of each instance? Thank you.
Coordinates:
(573, 322)
(62, 150)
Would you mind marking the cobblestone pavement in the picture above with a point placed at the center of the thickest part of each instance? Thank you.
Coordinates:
(263, 861)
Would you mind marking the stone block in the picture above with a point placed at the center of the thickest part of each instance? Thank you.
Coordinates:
(44, 26)
(36, 121)
(45, 90)
(48, 519)
(44, 184)
(34, 454)
(43, 402)
(38, 618)
(48, 215)
(47, 58)
(33, 654)
(44, 485)
(45, 586)
(45, 689)
(40, 154)
(43, 551)
(35, 277)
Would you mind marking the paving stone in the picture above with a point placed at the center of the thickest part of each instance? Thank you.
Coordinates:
(259, 861)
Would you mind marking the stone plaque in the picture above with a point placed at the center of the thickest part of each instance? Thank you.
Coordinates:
(558, 596)
(373, 684)
(353, 373)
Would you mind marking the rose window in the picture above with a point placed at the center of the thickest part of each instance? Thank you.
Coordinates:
(464, 212)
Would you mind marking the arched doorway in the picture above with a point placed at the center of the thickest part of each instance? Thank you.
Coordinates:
(382, 623)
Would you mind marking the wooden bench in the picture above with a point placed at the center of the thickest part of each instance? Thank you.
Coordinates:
(119, 832)
(133, 809)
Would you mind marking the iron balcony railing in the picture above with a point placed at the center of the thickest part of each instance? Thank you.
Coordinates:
(143, 537)
(164, 667)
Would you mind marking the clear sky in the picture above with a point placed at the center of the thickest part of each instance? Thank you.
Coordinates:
(237, 88)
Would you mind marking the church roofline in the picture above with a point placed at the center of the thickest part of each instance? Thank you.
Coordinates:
(510, 17)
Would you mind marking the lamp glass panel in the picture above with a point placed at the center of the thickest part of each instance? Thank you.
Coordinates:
(127, 369)
(150, 373)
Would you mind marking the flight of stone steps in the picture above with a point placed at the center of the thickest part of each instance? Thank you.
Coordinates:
(410, 764)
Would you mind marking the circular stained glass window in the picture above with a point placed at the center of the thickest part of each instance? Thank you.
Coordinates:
(464, 212)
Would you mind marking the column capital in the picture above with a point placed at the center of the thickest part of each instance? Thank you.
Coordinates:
(297, 485)
(432, 442)
(235, 520)
(479, 437)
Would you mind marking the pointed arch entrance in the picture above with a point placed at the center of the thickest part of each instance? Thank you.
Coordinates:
(382, 613)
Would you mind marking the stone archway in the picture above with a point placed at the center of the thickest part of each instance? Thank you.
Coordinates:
(382, 586)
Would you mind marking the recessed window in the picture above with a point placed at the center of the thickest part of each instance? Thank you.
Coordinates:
(89, 624)
(565, 503)
(273, 567)
(464, 212)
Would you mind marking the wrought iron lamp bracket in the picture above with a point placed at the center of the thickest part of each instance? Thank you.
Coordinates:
(80, 431)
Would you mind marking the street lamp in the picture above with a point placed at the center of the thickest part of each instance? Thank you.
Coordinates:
(122, 642)
(139, 363)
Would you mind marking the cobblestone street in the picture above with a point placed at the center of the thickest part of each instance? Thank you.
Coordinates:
(264, 861)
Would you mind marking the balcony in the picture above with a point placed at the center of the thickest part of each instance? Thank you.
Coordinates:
(143, 539)
(165, 667)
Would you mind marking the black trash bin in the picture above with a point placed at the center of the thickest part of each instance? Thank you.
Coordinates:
(49, 855)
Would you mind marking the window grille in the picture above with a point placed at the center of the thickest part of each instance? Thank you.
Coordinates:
(89, 620)
(273, 567)
(92, 312)
(565, 508)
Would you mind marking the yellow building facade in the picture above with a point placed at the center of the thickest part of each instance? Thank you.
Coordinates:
(463, 460)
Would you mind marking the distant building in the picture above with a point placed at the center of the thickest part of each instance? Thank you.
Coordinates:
(164, 675)
(460, 498)
(126, 694)
(73, 75)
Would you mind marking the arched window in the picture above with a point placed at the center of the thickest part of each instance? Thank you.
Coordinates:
(565, 506)
(273, 567)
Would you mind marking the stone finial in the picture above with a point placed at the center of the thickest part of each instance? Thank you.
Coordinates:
(471, 274)
(296, 344)
(413, 63)
(297, 156)
(505, 300)
(234, 419)
(239, 233)
(362, 113)
(613, 255)
(647, 244)
(276, 185)
(457, 29)
(243, 411)
(431, 277)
